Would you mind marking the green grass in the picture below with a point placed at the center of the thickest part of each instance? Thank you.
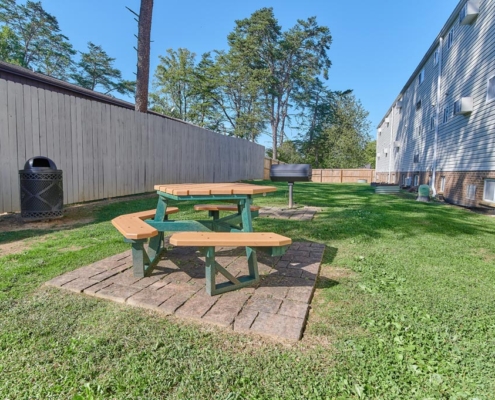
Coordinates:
(404, 308)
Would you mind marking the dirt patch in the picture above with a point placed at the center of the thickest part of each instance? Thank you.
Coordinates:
(78, 214)
(70, 249)
(486, 255)
(73, 215)
(14, 222)
(13, 247)
(336, 273)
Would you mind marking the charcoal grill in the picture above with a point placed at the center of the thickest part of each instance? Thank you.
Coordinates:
(290, 173)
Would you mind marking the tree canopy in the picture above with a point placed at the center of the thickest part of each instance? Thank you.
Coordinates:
(96, 71)
(31, 37)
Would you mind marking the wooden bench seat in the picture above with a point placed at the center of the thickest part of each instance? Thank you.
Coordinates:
(214, 209)
(236, 239)
(207, 241)
(220, 207)
(133, 227)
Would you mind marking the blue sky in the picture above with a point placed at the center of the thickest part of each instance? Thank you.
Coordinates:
(376, 46)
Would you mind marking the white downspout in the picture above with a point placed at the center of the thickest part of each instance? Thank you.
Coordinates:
(437, 119)
(390, 150)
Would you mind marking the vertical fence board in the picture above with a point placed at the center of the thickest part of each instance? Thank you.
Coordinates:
(20, 128)
(100, 140)
(74, 177)
(64, 143)
(79, 143)
(107, 151)
(11, 164)
(111, 151)
(35, 124)
(13, 183)
(42, 121)
(67, 149)
(5, 188)
(26, 114)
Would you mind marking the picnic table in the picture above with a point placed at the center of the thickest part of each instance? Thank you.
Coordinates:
(235, 229)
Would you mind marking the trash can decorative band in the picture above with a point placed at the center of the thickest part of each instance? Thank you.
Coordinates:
(41, 187)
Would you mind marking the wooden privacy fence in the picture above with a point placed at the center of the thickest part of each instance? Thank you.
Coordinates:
(107, 151)
(267, 164)
(342, 175)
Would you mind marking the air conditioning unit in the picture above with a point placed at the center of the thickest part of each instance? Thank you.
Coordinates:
(463, 106)
(378, 155)
(398, 104)
(397, 144)
(385, 151)
(387, 120)
(469, 12)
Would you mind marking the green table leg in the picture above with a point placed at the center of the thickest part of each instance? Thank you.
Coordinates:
(211, 269)
(247, 226)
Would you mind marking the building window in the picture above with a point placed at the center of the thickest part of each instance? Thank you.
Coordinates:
(421, 76)
(432, 122)
(416, 159)
(418, 131)
(416, 180)
(490, 89)
(489, 192)
(442, 184)
(471, 192)
(418, 105)
(445, 114)
(436, 56)
(450, 38)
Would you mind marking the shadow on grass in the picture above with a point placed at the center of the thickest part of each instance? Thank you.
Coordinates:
(348, 211)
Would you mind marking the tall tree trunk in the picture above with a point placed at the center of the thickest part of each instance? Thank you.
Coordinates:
(274, 142)
(143, 51)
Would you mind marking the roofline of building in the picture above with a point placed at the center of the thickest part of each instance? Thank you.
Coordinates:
(427, 56)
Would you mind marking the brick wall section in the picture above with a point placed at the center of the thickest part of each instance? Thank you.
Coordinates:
(456, 184)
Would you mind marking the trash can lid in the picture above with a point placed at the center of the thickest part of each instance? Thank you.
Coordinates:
(39, 163)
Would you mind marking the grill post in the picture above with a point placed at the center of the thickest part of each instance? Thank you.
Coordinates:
(291, 185)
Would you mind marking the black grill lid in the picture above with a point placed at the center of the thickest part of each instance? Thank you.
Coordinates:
(290, 173)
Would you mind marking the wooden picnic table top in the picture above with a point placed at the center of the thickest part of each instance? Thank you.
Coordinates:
(202, 189)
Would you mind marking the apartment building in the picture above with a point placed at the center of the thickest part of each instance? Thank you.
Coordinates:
(440, 129)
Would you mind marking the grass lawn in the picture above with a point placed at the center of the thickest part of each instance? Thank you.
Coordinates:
(404, 308)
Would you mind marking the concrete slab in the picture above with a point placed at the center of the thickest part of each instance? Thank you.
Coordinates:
(299, 214)
(276, 307)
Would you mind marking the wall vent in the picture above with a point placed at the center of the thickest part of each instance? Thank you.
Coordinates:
(469, 12)
(463, 106)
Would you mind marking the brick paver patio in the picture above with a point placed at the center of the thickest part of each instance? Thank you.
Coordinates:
(277, 307)
(302, 214)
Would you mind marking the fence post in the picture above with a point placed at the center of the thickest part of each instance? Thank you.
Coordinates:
(341, 175)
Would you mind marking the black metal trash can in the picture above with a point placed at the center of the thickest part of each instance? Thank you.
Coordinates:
(42, 194)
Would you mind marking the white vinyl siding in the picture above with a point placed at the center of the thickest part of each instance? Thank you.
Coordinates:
(464, 143)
